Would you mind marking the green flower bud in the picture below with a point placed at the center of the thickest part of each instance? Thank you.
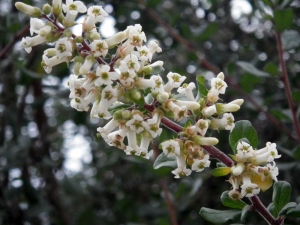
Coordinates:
(67, 33)
(46, 9)
(126, 114)
(118, 115)
(79, 39)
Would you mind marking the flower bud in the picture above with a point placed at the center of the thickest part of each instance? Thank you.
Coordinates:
(237, 102)
(28, 9)
(79, 39)
(162, 97)
(46, 9)
(116, 39)
(118, 115)
(67, 33)
(208, 111)
(199, 140)
(237, 169)
(126, 114)
(56, 8)
(222, 108)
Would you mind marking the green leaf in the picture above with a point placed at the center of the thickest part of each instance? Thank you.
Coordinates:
(271, 68)
(229, 202)
(220, 216)
(287, 207)
(295, 212)
(281, 194)
(118, 107)
(220, 171)
(202, 91)
(163, 160)
(290, 39)
(244, 212)
(296, 96)
(249, 68)
(283, 19)
(271, 208)
(243, 129)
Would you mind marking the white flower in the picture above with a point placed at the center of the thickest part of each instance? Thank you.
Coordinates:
(152, 125)
(97, 12)
(75, 84)
(171, 148)
(200, 164)
(175, 81)
(132, 147)
(99, 48)
(48, 63)
(181, 171)
(249, 189)
(87, 65)
(219, 85)
(35, 25)
(273, 151)
(158, 84)
(28, 42)
(130, 64)
(228, 121)
(63, 48)
(272, 171)
(108, 128)
(144, 54)
(104, 76)
(187, 90)
(136, 36)
(244, 151)
(144, 147)
(154, 47)
(136, 123)
(72, 9)
(202, 126)
(116, 139)
(79, 104)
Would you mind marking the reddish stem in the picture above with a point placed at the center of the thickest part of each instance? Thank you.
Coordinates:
(287, 87)
(258, 206)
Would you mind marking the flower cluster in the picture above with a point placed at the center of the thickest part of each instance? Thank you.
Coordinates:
(254, 170)
(115, 79)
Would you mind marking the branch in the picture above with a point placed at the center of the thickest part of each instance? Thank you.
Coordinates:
(287, 87)
(14, 41)
(258, 206)
(203, 62)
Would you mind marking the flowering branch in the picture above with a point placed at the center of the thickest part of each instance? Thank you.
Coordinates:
(206, 64)
(131, 94)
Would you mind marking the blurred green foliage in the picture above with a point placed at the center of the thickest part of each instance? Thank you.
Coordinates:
(37, 122)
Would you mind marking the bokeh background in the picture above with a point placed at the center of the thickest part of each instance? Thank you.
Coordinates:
(55, 171)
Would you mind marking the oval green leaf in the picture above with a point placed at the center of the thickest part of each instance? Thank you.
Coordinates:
(220, 216)
(163, 160)
(229, 202)
(243, 129)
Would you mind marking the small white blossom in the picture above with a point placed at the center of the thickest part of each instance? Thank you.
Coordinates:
(171, 148)
(99, 48)
(136, 123)
(35, 25)
(244, 151)
(130, 64)
(249, 189)
(200, 164)
(72, 9)
(154, 47)
(175, 80)
(63, 48)
(219, 85)
(104, 76)
(187, 90)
